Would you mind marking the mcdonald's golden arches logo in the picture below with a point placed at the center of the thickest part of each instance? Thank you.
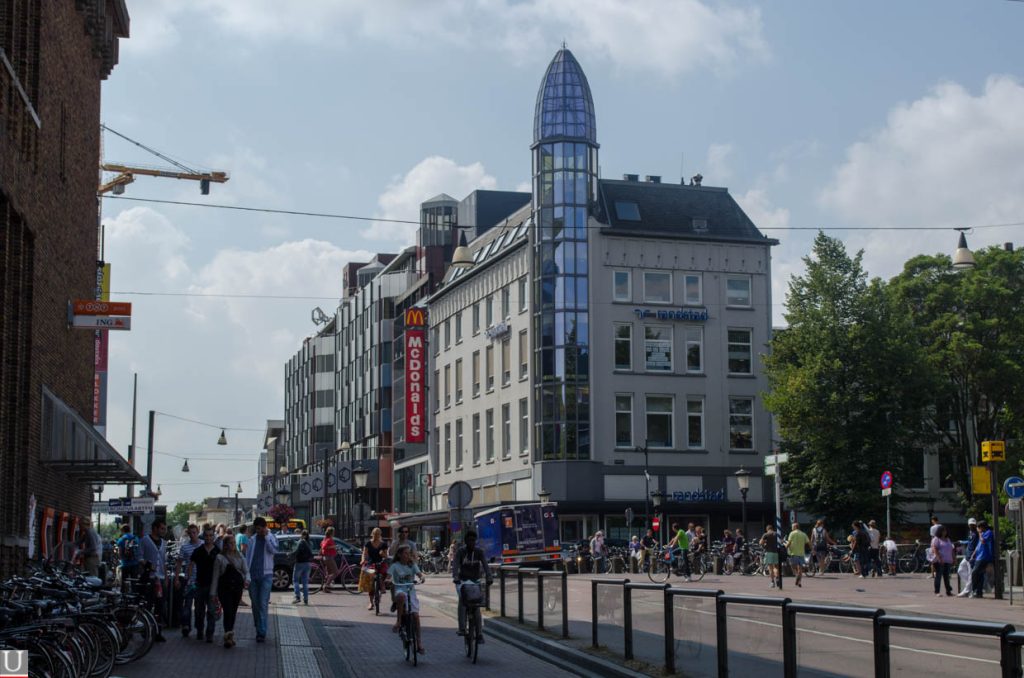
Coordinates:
(415, 317)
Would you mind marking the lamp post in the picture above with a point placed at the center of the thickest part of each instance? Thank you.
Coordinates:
(343, 451)
(360, 475)
(743, 480)
(963, 260)
(657, 497)
(543, 495)
(647, 486)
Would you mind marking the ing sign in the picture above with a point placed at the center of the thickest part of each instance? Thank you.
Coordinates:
(415, 375)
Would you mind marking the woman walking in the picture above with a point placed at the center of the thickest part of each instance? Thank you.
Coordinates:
(303, 564)
(329, 551)
(230, 577)
(942, 559)
(373, 557)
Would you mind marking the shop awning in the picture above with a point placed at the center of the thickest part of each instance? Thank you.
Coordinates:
(71, 445)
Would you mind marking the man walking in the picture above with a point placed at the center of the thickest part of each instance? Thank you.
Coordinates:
(128, 550)
(597, 552)
(91, 545)
(796, 543)
(188, 547)
(154, 557)
(260, 560)
(983, 556)
(861, 547)
(874, 549)
(201, 562)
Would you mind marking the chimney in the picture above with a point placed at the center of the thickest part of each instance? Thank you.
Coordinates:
(631, 177)
(1008, 246)
(696, 179)
(652, 179)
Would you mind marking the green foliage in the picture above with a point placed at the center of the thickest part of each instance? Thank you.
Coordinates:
(179, 514)
(109, 530)
(847, 386)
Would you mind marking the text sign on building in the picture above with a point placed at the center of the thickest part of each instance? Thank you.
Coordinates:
(690, 314)
(95, 307)
(99, 322)
(415, 375)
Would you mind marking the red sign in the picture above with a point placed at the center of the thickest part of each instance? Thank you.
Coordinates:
(656, 523)
(94, 307)
(415, 375)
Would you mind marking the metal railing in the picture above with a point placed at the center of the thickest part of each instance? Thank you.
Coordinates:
(670, 618)
(594, 611)
(545, 599)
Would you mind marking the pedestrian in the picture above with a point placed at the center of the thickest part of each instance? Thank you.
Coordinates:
(933, 531)
(729, 550)
(303, 564)
(260, 559)
(222, 531)
(796, 545)
(328, 554)
(891, 555)
(820, 541)
(679, 546)
(404, 540)
(242, 539)
(598, 552)
(770, 542)
(861, 545)
(230, 578)
(190, 543)
(874, 549)
(691, 532)
(202, 561)
(942, 550)
(128, 549)
(965, 566)
(982, 557)
(154, 555)
(91, 546)
(374, 551)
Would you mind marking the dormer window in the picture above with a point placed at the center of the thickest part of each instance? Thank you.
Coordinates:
(700, 225)
(627, 211)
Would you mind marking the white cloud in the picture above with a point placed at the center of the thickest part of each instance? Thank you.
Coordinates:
(672, 36)
(431, 176)
(718, 170)
(949, 159)
(762, 212)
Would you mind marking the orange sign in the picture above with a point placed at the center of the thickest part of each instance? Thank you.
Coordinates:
(94, 307)
(415, 317)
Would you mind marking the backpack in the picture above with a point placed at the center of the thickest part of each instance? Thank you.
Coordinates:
(130, 549)
(863, 540)
(819, 536)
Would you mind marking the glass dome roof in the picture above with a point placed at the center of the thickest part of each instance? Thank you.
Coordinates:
(564, 105)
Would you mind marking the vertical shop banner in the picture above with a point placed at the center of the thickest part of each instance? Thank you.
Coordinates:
(101, 342)
(415, 375)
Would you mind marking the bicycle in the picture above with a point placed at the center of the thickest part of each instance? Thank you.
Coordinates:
(347, 577)
(665, 561)
(380, 572)
(474, 620)
(915, 561)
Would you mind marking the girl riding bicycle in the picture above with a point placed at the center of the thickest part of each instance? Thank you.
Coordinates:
(404, 575)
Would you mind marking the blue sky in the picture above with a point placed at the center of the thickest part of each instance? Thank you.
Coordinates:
(814, 114)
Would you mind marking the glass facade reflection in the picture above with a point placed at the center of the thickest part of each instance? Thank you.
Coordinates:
(564, 184)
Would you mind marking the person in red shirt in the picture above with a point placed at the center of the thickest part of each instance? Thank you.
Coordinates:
(329, 552)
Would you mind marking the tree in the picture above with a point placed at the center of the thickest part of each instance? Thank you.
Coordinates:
(971, 326)
(846, 386)
(179, 514)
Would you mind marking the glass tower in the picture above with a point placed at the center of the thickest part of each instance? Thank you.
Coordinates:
(564, 185)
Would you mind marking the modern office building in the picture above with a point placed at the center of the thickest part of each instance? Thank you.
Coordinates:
(606, 329)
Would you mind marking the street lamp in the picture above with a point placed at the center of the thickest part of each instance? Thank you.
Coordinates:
(543, 495)
(963, 260)
(360, 475)
(647, 487)
(743, 480)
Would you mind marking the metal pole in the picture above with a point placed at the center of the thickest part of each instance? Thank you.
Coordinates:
(888, 515)
(778, 512)
(997, 580)
(743, 494)
(149, 452)
(131, 448)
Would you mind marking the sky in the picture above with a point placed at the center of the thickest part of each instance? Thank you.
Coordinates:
(869, 114)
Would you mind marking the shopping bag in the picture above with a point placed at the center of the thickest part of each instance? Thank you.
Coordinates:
(366, 580)
(965, 576)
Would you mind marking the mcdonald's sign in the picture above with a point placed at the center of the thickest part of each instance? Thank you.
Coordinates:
(415, 375)
(416, 317)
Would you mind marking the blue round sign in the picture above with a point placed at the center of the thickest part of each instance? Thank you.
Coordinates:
(886, 480)
(1014, 487)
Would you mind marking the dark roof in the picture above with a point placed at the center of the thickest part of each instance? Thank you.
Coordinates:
(565, 108)
(671, 210)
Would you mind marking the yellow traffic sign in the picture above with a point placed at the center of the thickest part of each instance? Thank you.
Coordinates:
(981, 480)
(993, 450)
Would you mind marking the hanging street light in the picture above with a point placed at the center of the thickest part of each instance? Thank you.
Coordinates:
(223, 440)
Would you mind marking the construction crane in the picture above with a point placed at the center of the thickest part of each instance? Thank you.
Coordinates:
(126, 173)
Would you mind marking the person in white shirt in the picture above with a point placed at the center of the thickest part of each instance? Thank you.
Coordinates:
(891, 555)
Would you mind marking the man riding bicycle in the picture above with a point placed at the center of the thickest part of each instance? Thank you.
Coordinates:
(469, 565)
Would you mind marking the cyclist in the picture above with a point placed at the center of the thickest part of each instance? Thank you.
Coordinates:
(679, 547)
(373, 558)
(404, 574)
(469, 565)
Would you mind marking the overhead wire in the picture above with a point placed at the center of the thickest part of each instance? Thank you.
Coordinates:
(203, 423)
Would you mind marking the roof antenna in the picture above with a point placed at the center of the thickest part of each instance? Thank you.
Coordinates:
(563, 43)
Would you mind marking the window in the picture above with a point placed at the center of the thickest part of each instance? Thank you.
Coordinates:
(622, 287)
(695, 423)
(506, 301)
(458, 380)
(947, 471)
(476, 439)
(489, 367)
(490, 310)
(657, 287)
(658, 348)
(476, 373)
(447, 385)
(659, 421)
(524, 355)
(524, 426)
(623, 420)
(489, 441)
(737, 291)
(458, 327)
(913, 470)
(437, 447)
(523, 298)
(691, 289)
(437, 390)
(447, 334)
(741, 423)
(458, 444)
(447, 448)
(623, 346)
(694, 337)
(506, 431)
(739, 352)
(627, 211)
(506, 361)
(476, 318)
(435, 339)
(700, 225)
(325, 398)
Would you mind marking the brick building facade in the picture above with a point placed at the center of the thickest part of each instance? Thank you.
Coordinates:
(53, 58)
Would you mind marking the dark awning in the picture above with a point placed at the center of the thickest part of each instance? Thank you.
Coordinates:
(71, 445)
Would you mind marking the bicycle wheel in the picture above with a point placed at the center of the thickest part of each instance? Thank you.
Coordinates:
(472, 643)
(138, 631)
(411, 623)
(701, 565)
(660, 569)
(908, 564)
(378, 584)
(316, 580)
(348, 578)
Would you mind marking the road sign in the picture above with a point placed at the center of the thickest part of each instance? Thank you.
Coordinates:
(770, 470)
(886, 480)
(773, 459)
(981, 480)
(459, 494)
(94, 307)
(656, 524)
(886, 491)
(629, 516)
(101, 322)
(1014, 487)
(993, 450)
(126, 505)
(1013, 505)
